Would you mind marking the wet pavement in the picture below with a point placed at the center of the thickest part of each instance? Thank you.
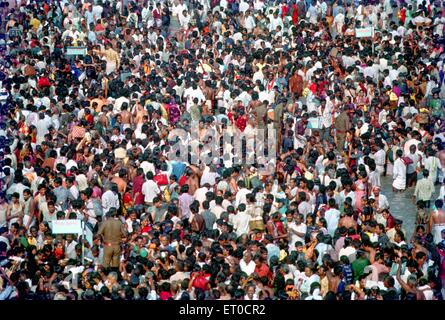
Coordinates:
(402, 206)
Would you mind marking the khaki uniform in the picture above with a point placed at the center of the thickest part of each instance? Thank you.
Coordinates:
(112, 231)
(342, 124)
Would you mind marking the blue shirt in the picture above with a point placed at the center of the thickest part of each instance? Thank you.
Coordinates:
(272, 250)
(178, 169)
(348, 275)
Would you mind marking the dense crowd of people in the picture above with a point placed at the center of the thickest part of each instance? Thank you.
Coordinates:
(97, 94)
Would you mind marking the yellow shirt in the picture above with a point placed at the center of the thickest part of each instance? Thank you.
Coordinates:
(32, 241)
(35, 23)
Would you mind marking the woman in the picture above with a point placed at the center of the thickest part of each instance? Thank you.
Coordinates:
(322, 225)
(361, 189)
(361, 101)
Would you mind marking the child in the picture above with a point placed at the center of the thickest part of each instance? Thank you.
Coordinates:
(422, 214)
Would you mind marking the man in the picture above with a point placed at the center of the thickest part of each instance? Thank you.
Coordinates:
(326, 108)
(381, 201)
(150, 189)
(70, 247)
(359, 264)
(296, 229)
(109, 199)
(399, 173)
(72, 188)
(304, 206)
(241, 221)
(392, 231)
(342, 125)
(196, 220)
(246, 264)
(112, 231)
(241, 194)
(424, 189)
(332, 216)
(62, 194)
(411, 168)
(380, 158)
(158, 210)
(437, 221)
(296, 83)
(208, 215)
(29, 209)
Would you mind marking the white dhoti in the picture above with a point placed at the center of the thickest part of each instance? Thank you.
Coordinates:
(437, 232)
(399, 183)
(111, 67)
(380, 169)
(399, 175)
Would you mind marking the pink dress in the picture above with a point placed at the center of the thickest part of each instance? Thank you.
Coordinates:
(360, 191)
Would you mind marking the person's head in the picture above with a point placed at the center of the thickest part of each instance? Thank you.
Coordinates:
(376, 191)
(438, 203)
(399, 237)
(421, 258)
(250, 291)
(388, 281)
(51, 206)
(398, 224)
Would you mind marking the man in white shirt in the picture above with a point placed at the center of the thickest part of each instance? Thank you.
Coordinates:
(241, 221)
(184, 19)
(275, 21)
(383, 202)
(209, 176)
(332, 215)
(70, 247)
(247, 265)
(241, 194)
(72, 188)
(379, 158)
(217, 207)
(249, 22)
(297, 230)
(200, 193)
(243, 6)
(339, 21)
(150, 189)
(109, 199)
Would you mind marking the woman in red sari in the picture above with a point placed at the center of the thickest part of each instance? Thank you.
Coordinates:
(294, 14)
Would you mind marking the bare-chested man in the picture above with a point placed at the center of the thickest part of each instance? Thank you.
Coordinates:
(209, 95)
(437, 221)
(126, 116)
(139, 112)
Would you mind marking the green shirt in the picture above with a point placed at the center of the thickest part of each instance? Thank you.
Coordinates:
(358, 266)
